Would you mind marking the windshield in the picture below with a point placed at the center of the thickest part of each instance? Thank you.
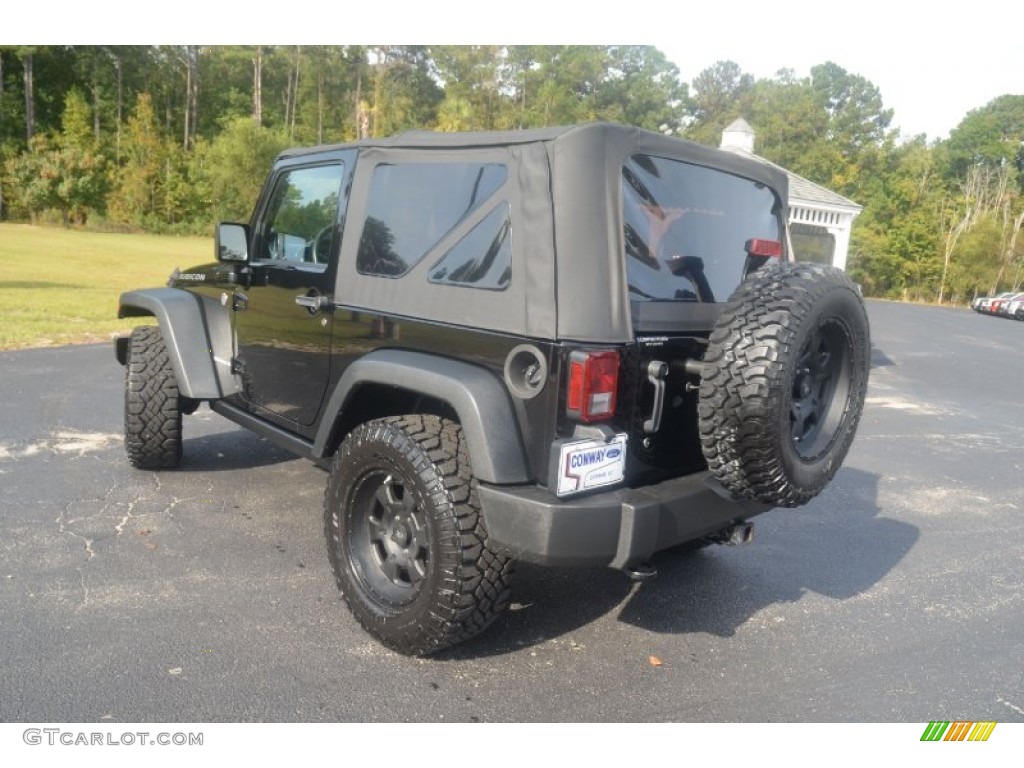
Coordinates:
(686, 227)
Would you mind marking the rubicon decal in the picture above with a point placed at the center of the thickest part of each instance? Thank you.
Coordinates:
(959, 730)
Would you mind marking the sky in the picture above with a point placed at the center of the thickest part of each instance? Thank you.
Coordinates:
(932, 62)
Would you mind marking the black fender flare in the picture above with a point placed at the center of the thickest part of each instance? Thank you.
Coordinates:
(197, 333)
(478, 396)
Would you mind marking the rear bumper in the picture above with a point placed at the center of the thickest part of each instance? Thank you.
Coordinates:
(617, 528)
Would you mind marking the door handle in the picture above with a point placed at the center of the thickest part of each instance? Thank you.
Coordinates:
(314, 303)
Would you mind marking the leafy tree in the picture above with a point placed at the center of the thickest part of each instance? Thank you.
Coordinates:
(857, 135)
(976, 268)
(66, 173)
(11, 105)
(856, 115)
(118, 74)
(897, 241)
(455, 114)
(402, 91)
(188, 56)
(185, 156)
(76, 124)
(986, 201)
(228, 172)
(227, 74)
(46, 77)
(31, 178)
(136, 197)
(96, 72)
(992, 135)
(790, 125)
(473, 86)
(546, 85)
(82, 164)
(642, 88)
(329, 87)
(28, 72)
(718, 95)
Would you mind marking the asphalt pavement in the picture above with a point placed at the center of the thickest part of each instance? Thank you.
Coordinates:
(204, 594)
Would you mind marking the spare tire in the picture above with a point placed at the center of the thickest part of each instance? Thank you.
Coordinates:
(783, 383)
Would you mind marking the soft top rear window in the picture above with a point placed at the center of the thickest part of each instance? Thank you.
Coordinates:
(686, 227)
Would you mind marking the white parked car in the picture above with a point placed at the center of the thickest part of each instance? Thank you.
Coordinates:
(988, 304)
(999, 306)
(1015, 307)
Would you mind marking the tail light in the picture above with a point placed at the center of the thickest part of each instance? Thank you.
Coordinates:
(771, 249)
(759, 252)
(593, 385)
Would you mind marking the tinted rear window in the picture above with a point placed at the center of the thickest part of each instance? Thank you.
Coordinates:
(686, 227)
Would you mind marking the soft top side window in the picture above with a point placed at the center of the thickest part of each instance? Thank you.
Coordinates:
(481, 259)
(413, 206)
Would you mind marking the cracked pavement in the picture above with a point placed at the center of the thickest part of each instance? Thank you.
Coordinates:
(204, 594)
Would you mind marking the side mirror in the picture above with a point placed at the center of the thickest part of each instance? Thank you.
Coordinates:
(231, 242)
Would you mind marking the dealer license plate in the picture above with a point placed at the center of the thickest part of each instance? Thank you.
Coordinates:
(591, 464)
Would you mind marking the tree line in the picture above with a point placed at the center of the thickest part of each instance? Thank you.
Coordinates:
(173, 138)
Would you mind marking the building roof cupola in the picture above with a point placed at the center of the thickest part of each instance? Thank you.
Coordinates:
(739, 135)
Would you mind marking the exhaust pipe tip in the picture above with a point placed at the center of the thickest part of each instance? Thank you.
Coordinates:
(734, 535)
(742, 533)
(640, 571)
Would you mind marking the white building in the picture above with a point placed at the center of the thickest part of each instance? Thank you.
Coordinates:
(819, 219)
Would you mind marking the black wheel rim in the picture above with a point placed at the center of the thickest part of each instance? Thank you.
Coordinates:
(388, 539)
(821, 388)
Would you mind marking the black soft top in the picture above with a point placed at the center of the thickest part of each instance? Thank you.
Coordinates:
(569, 275)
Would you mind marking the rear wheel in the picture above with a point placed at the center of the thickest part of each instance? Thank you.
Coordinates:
(784, 381)
(405, 535)
(152, 403)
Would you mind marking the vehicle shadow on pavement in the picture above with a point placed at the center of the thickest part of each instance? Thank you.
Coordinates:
(838, 546)
(237, 449)
(879, 359)
(547, 603)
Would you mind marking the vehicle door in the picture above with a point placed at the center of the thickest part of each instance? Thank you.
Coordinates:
(283, 311)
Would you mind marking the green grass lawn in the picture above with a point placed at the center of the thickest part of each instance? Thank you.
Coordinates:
(60, 286)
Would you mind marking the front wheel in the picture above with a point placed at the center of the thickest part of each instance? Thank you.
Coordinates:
(406, 538)
(153, 406)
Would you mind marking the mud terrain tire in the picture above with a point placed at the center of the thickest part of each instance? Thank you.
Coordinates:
(152, 404)
(406, 538)
(783, 383)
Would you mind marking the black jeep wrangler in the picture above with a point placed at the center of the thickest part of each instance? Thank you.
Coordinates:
(576, 345)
